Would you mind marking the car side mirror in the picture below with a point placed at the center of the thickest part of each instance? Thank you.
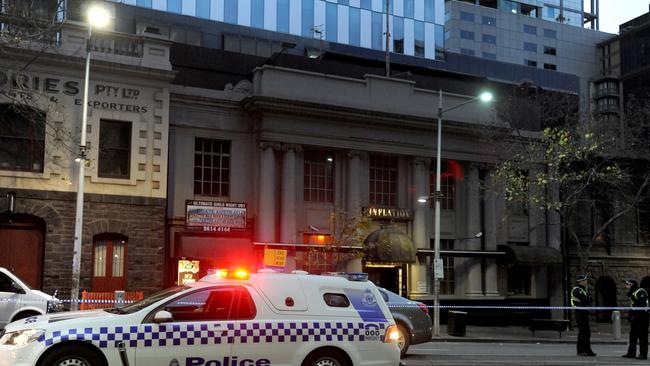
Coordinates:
(163, 317)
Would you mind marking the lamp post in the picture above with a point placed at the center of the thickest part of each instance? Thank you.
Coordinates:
(97, 17)
(484, 97)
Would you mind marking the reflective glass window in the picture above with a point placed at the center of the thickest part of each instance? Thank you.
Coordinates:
(409, 8)
(398, 35)
(532, 47)
(355, 26)
(440, 42)
(429, 10)
(230, 11)
(530, 29)
(419, 39)
(366, 4)
(469, 17)
(283, 16)
(307, 18)
(145, 3)
(174, 6)
(203, 8)
(331, 22)
(257, 13)
(466, 35)
(490, 21)
(488, 38)
(490, 55)
(390, 3)
(377, 30)
(550, 33)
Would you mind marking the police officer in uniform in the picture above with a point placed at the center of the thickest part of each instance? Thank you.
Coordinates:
(580, 299)
(638, 320)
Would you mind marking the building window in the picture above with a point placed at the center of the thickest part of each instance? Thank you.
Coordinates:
(114, 149)
(532, 47)
(22, 138)
(440, 41)
(366, 4)
(257, 13)
(230, 11)
(307, 18)
(519, 281)
(398, 35)
(467, 52)
(467, 35)
(331, 22)
(383, 180)
(550, 33)
(377, 31)
(489, 55)
(202, 8)
(490, 21)
(419, 45)
(469, 17)
(550, 50)
(355, 26)
(448, 172)
(282, 16)
(530, 29)
(448, 283)
(174, 6)
(409, 8)
(109, 262)
(550, 66)
(429, 11)
(488, 38)
(319, 176)
(531, 63)
(211, 167)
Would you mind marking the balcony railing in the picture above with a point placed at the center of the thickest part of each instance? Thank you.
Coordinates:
(116, 44)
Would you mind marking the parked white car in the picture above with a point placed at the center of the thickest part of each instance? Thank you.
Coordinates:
(19, 301)
(233, 319)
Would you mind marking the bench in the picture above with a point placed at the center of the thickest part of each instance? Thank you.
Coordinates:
(558, 325)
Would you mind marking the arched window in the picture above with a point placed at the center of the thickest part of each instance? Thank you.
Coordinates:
(22, 138)
(109, 262)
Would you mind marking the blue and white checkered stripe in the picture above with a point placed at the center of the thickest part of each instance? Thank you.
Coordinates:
(187, 334)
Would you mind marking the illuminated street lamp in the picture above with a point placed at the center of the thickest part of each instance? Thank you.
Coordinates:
(484, 97)
(97, 17)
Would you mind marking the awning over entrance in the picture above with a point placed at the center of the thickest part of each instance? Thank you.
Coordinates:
(389, 245)
(531, 256)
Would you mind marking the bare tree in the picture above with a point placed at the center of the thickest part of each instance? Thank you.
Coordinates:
(580, 169)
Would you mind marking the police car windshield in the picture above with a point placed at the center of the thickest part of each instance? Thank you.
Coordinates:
(136, 306)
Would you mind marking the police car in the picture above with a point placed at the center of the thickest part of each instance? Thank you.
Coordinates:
(232, 318)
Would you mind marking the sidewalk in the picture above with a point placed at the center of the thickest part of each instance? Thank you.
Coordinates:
(601, 333)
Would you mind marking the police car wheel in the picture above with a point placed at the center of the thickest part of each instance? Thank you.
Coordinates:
(72, 356)
(404, 341)
(325, 359)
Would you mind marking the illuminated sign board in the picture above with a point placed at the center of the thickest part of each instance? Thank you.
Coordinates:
(275, 257)
(211, 216)
(397, 214)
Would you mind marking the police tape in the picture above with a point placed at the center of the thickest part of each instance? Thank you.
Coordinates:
(414, 306)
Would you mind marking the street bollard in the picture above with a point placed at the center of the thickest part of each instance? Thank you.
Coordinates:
(120, 296)
(616, 324)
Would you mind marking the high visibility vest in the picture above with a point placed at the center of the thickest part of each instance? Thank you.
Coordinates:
(575, 299)
(634, 296)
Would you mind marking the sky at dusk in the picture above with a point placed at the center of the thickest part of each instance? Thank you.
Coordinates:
(615, 12)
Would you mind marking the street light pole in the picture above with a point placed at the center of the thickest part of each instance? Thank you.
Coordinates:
(98, 17)
(436, 238)
(484, 97)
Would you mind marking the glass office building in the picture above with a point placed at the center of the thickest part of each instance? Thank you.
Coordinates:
(416, 26)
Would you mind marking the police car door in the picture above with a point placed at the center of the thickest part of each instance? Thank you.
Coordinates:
(197, 334)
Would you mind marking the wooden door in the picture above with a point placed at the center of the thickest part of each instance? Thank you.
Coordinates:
(21, 252)
(109, 262)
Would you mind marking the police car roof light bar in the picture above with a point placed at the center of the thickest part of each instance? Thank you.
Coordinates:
(351, 276)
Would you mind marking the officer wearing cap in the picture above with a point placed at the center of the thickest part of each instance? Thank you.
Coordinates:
(580, 299)
(638, 320)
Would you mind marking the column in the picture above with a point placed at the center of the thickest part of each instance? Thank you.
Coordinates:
(288, 205)
(419, 278)
(353, 187)
(472, 265)
(490, 233)
(266, 193)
